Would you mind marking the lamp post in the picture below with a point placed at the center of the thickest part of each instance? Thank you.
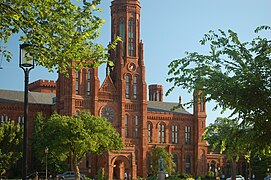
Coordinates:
(26, 63)
(46, 172)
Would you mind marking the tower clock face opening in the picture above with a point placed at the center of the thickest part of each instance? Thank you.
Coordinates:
(108, 113)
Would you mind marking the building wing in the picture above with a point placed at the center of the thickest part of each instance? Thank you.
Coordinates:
(33, 97)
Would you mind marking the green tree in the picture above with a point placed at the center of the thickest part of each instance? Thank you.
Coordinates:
(11, 137)
(59, 31)
(156, 153)
(261, 166)
(228, 137)
(76, 136)
(236, 75)
(56, 161)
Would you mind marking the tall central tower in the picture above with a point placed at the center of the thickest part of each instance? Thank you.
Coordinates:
(128, 76)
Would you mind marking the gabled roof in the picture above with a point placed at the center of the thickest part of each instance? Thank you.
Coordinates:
(33, 97)
(108, 85)
(158, 106)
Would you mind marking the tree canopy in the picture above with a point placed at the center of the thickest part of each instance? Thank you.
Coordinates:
(74, 136)
(11, 138)
(59, 31)
(235, 74)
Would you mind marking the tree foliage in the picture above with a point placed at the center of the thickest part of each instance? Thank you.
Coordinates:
(226, 136)
(75, 137)
(236, 75)
(59, 31)
(11, 136)
(156, 153)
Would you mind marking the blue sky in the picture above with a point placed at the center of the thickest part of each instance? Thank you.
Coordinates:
(168, 29)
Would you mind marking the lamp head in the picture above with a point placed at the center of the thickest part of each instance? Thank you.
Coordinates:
(26, 60)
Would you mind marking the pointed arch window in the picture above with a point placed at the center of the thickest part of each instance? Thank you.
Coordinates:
(136, 126)
(88, 81)
(122, 34)
(20, 120)
(187, 135)
(77, 113)
(161, 133)
(128, 82)
(175, 160)
(135, 88)
(188, 164)
(131, 37)
(4, 118)
(149, 132)
(136, 159)
(202, 108)
(77, 82)
(174, 134)
(126, 126)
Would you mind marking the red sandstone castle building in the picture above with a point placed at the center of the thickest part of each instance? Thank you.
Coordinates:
(122, 99)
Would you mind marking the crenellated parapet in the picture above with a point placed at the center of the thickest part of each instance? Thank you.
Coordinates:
(46, 86)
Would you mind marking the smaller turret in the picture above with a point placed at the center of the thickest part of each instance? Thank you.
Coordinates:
(156, 92)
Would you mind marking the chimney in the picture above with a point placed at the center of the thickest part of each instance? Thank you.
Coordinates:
(156, 92)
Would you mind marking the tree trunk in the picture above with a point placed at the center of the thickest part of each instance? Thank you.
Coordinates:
(233, 175)
(76, 169)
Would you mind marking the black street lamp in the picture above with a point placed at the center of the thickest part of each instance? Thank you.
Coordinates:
(26, 63)
(46, 171)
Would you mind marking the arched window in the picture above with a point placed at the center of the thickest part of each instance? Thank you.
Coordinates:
(77, 83)
(131, 37)
(135, 88)
(126, 125)
(212, 167)
(149, 132)
(136, 159)
(88, 164)
(175, 160)
(88, 81)
(128, 82)
(20, 120)
(4, 118)
(136, 126)
(161, 133)
(122, 34)
(174, 134)
(244, 169)
(228, 170)
(77, 113)
(187, 135)
(202, 104)
(188, 164)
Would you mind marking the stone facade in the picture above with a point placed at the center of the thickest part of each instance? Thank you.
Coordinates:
(122, 98)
